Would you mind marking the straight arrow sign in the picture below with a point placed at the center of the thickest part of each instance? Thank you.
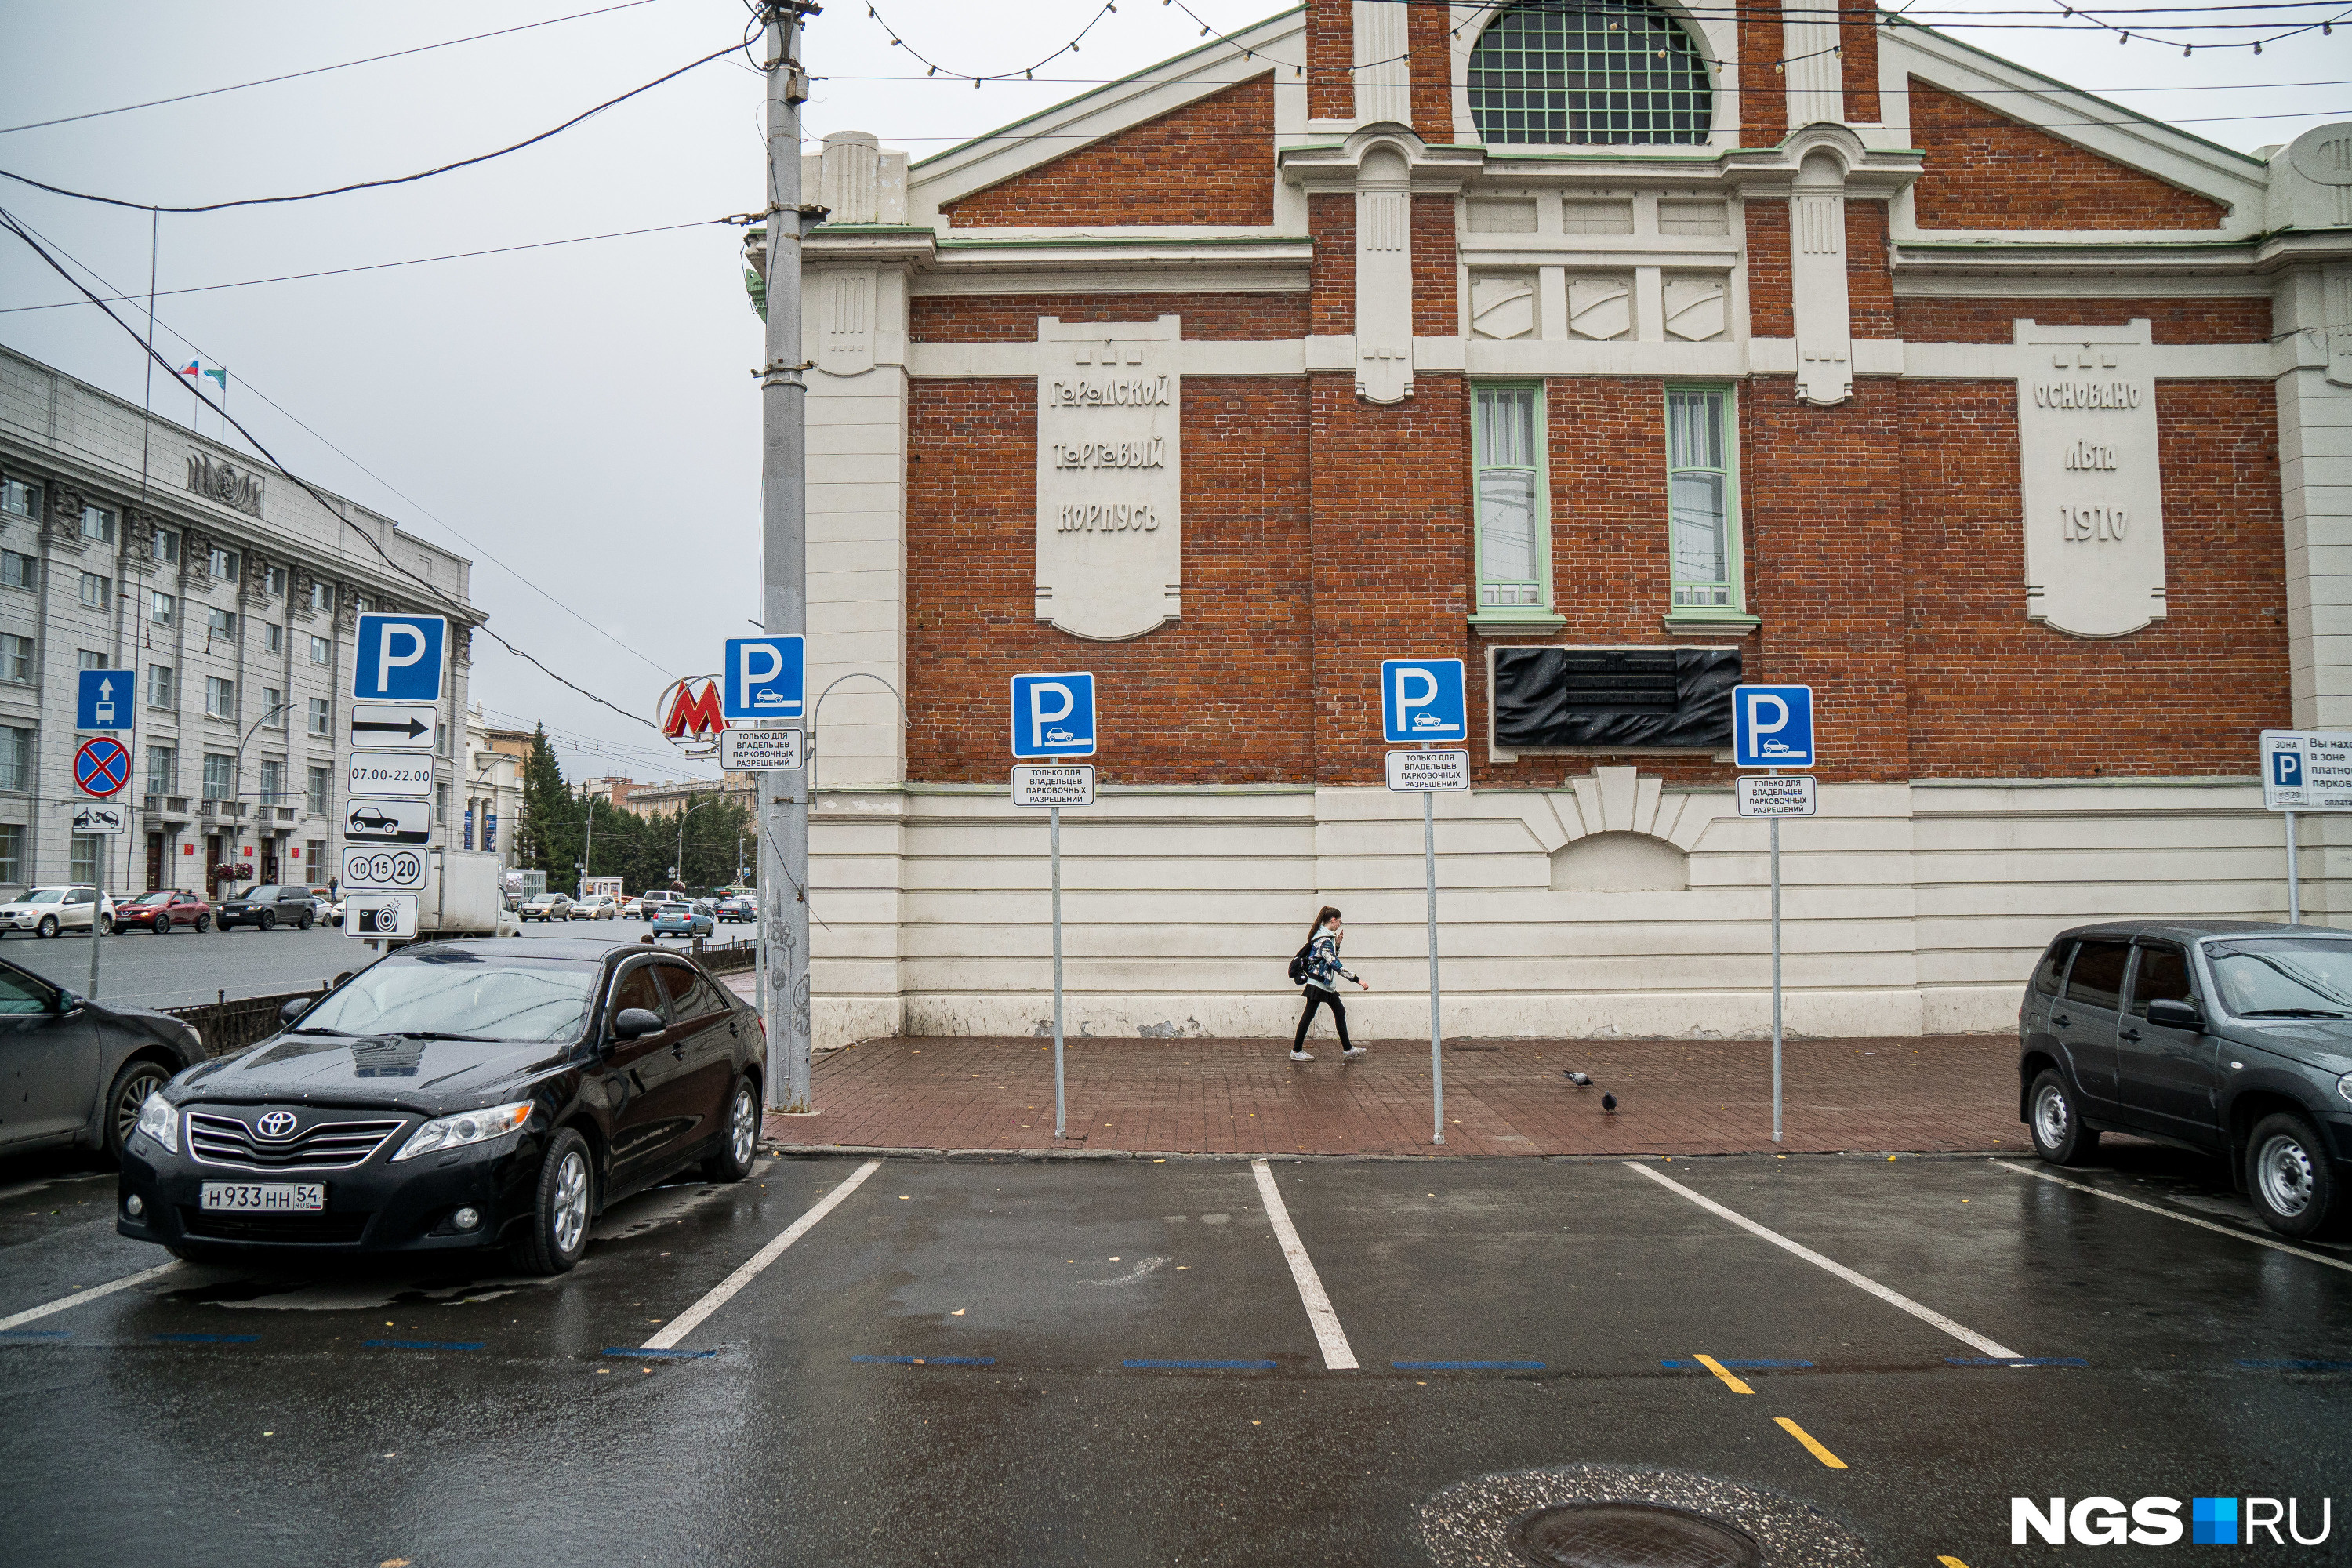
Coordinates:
(394, 726)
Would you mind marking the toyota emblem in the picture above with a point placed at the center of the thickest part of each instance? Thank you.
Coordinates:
(275, 1124)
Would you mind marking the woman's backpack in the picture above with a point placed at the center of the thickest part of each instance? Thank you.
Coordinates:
(1299, 963)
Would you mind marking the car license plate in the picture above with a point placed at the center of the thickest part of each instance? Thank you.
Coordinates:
(264, 1197)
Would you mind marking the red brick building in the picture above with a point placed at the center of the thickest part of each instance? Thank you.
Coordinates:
(2017, 426)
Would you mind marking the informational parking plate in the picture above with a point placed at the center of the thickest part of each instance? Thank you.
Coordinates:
(375, 915)
(2307, 770)
(1777, 794)
(382, 824)
(93, 817)
(1063, 783)
(394, 726)
(370, 870)
(749, 750)
(390, 774)
(263, 1197)
(1418, 772)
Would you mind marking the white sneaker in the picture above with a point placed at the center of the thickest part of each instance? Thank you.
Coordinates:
(1302, 1057)
(1352, 1052)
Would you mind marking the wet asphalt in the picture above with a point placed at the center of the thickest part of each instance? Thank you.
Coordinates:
(952, 1367)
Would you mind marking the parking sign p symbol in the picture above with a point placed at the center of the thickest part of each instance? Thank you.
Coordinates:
(1039, 718)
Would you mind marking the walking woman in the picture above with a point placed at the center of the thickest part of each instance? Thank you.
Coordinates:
(1321, 964)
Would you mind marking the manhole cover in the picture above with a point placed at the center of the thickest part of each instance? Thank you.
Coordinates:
(1629, 1535)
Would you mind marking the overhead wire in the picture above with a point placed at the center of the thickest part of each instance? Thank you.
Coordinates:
(319, 70)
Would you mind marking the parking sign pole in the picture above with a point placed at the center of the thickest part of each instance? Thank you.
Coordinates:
(1436, 1051)
(2294, 880)
(97, 916)
(1776, 978)
(1054, 835)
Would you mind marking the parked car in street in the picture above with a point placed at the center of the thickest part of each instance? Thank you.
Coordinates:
(2230, 1037)
(454, 1096)
(266, 907)
(655, 899)
(162, 909)
(594, 907)
(736, 911)
(45, 911)
(78, 1072)
(545, 907)
(335, 914)
(323, 900)
(682, 919)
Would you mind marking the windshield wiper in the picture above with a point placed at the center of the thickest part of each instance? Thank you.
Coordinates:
(443, 1035)
(340, 1034)
(2294, 1013)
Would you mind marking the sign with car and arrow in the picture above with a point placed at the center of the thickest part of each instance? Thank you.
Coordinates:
(394, 726)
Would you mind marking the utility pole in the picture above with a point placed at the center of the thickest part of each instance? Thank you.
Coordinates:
(588, 848)
(784, 561)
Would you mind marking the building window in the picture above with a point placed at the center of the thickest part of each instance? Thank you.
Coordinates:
(322, 716)
(15, 760)
(273, 708)
(17, 570)
(219, 776)
(82, 860)
(91, 658)
(441, 739)
(273, 579)
(223, 564)
(468, 842)
(97, 592)
(441, 806)
(319, 651)
(220, 697)
(314, 850)
(162, 691)
(316, 802)
(273, 781)
(1702, 498)
(1513, 538)
(17, 660)
(322, 597)
(161, 608)
(12, 852)
(359, 606)
(273, 637)
(1612, 72)
(18, 499)
(164, 545)
(97, 523)
(219, 622)
(163, 769)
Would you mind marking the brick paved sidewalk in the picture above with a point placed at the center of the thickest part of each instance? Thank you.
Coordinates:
(1502, 1096)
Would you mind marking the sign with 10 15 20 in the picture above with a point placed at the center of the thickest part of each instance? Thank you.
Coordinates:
(392, 773)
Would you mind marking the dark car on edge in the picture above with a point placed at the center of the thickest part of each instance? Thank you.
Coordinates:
(451, 1096)
(76, 1072)
(270, 905)
(2232, 1037)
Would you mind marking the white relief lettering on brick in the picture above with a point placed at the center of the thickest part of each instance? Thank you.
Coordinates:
(2090, 489)
(1109, 477)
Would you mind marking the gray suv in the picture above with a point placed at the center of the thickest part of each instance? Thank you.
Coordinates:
(2232, 1037)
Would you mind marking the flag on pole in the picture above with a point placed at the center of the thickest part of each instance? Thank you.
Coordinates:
(191, 368)
(221, 376)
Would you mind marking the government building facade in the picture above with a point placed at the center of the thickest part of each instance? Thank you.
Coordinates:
(228, 598)
(1626, 354)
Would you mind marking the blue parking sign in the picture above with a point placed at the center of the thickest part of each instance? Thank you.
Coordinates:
(1423, 699)
(1054, 715)
(103, 701)
(399, 657)
(1772, 726)
(764, 678)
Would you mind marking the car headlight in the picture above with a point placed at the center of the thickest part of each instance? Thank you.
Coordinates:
(465, 1127)
(159, 1119)
(2343, 1086)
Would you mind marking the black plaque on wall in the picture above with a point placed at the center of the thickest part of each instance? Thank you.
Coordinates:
(1614, 697)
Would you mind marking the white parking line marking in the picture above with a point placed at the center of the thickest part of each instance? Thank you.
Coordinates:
(92, 1294)
(2201, 1224)
(1861, 1281)
(1328, 1333)
(724, 1291)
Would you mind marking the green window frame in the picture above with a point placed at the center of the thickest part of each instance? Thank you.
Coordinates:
(1511, 503)
(1703, 556)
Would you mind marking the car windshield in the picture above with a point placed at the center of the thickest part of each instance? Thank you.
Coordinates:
(2296, 977)
(261, 893)
(45, 895)
(446, 991)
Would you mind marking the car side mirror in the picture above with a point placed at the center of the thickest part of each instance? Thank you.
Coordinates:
(635, 1023)
(2176, 1015)
(295, 1007)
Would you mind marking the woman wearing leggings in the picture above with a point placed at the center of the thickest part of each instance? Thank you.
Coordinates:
(1322, 964)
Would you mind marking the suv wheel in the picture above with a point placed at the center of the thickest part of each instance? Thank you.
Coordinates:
(203, 924)
(162, 925)
(49, 926)
(2288, 1176)
(2059, 1135)
(267, 920)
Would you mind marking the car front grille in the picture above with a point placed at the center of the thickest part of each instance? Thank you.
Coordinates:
(310, 1227)
(216, 1140)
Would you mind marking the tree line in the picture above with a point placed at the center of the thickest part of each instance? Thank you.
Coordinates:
(555, 836)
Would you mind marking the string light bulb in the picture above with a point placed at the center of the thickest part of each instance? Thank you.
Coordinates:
(2122, 40)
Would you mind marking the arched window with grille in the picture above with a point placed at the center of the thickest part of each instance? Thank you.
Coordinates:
(1592, 72)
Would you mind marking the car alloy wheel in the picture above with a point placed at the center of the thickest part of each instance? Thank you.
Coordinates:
(203, 924)
(2283, 1169)
(743, 1134)
(570, 1215)
(162, 925)
(132, 1087)
(268, 921)
(49, 926)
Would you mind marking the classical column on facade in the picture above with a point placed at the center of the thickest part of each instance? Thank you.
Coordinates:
(1382, 72)
(1383, 271)
(2310, 193)
(1817, 280)
(1810, 63)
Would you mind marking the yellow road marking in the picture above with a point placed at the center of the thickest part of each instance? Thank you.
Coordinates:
(1801, 1435)
(1951, 1562)
(1730, 1382)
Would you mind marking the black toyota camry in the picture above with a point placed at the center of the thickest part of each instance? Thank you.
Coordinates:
(453, 1095)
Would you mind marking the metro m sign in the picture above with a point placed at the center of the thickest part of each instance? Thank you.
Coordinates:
(689, 716)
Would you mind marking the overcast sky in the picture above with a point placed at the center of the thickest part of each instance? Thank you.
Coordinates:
(584, 414)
